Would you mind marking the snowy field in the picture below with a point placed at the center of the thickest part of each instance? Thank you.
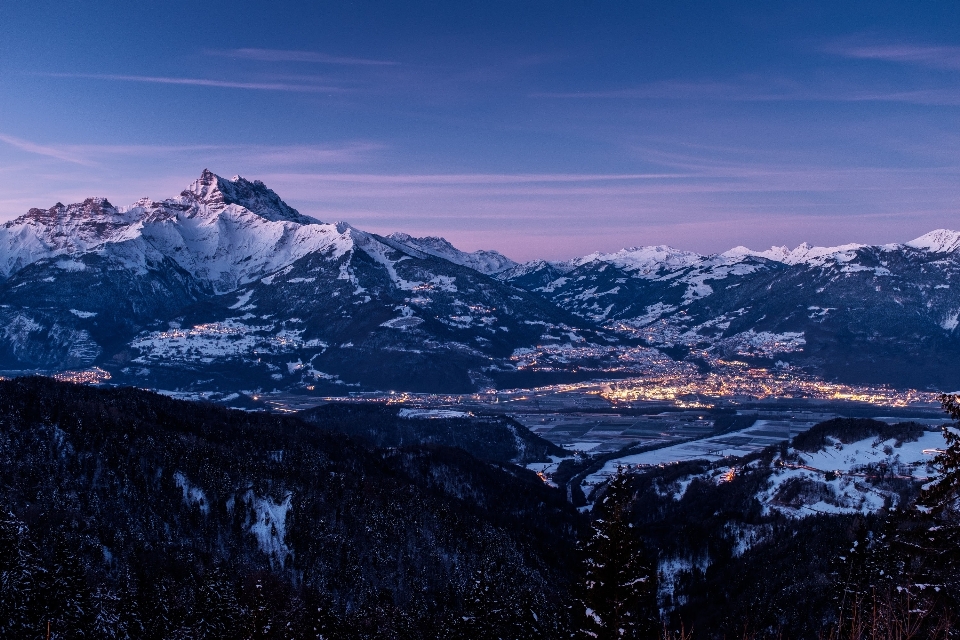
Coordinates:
(762, 434)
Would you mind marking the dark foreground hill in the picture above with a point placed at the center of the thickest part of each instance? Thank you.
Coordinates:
(493, 437)
(128, 514)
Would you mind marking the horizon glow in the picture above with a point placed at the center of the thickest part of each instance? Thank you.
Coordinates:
(541, 130)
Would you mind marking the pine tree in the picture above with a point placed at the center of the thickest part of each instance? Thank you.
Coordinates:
(943, 496)
(621, 578)
(19, 573)
(216, 614)
(66, 594)
(936, 541)
(107, 621)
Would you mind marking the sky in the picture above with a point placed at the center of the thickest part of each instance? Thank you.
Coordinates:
(540, 129)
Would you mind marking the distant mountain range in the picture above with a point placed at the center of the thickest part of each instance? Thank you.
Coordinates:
(227, 288)
(854, 313)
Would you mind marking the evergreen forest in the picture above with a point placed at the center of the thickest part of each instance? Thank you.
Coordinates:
(128, 514)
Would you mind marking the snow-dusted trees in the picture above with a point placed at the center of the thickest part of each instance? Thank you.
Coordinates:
(621, 577)
(943, 496)
(101, 540)
(902, 581)
(938, 542)
(19, 577)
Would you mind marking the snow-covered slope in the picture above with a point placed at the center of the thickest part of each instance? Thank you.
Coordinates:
(226, 281)
(863, 313)
(859, 474)
(488, 262)
(937, 241)
(223, 232)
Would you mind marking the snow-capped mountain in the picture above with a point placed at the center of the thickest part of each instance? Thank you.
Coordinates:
(227, 284)
(854, 312)
(223, 232)
(227, 287)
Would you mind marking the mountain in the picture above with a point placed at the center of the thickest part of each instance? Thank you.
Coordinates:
(225, 287)
(854, 313)
(767, 545)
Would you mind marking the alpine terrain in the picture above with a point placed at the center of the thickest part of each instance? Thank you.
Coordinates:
(853, 313)
(226, 288)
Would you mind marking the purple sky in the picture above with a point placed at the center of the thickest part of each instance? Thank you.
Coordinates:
(538, 129)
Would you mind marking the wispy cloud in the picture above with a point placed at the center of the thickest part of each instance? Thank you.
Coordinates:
(206, 82)
(252, 154)
(670, 90)
(695, 177)
(760, 90)
(50, 151)
(937, 57)
(482, 178)
(285, 55)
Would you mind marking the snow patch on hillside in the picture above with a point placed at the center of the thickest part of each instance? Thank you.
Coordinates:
(268, 524)
(951, 321)
(432, 413)
(763, 344)
(192, 494)
(205, 343)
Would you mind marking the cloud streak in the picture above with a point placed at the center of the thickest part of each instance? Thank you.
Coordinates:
(285, 55)
(267, 155)
(59, 153)
(936, 57)
(480, 178)
(761, 91)
(206, 82)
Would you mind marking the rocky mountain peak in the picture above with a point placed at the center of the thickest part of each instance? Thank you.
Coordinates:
(206, 189)
(217, 193)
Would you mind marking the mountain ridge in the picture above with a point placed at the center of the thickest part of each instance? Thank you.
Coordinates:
(162, 290)
(228, 286)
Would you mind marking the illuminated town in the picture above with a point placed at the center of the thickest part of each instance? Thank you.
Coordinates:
(94, 375)
(737, 380)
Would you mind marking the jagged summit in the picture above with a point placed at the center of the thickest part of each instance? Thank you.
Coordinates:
(91, 208)
(217, 193)
(225, 232)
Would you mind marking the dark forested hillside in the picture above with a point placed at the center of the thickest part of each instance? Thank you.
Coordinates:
(495, 437)
(128, 514)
